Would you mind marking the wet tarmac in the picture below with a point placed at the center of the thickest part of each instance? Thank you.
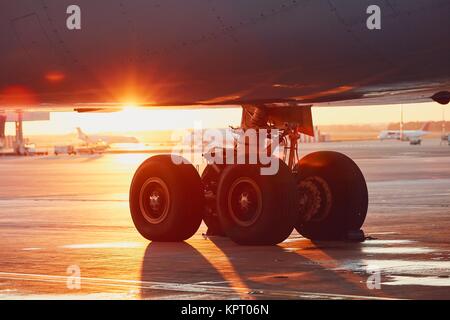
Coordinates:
(61, 217)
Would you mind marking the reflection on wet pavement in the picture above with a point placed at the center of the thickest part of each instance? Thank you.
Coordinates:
(75, 213)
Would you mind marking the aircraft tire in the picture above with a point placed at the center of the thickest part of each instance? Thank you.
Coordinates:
(255, 209)
(166, 199)
(333, 196)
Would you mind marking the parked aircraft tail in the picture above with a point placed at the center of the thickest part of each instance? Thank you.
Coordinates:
(82, 135)
(426, 126)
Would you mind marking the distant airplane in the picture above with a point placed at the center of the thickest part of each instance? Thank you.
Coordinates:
(413, 136)
(106, 139)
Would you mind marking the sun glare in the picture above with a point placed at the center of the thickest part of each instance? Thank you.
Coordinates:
(133, 118)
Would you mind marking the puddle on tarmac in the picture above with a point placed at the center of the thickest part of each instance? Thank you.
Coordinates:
(369, 247)
(399, 267)
(418, 281)
(396, 250)
(387, 242)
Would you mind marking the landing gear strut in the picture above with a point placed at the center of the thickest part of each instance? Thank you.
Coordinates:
(323, 196)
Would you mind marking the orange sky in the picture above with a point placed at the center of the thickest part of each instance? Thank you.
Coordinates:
(151, 119)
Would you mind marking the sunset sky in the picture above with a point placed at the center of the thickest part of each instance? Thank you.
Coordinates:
(158, 119)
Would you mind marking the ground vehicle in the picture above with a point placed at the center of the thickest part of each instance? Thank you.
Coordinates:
(67, 149)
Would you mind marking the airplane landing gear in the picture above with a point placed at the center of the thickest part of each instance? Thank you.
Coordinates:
(324, 195)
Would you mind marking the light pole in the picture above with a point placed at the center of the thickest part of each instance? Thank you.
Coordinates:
(444, 127)
(401, 122)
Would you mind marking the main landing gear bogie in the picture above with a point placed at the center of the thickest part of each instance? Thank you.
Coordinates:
(324, 197)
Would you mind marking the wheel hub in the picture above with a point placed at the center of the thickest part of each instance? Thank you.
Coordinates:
(245, 202)
(154, 200)
(315, 199)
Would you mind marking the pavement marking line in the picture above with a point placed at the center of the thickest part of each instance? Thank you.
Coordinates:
(181, 287)
(105, 245)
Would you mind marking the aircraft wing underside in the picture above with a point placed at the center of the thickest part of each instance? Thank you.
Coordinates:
(222, 53)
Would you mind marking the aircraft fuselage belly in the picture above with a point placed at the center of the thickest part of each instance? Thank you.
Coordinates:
(178, 52)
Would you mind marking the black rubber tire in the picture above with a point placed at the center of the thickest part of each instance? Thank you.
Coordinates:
(349, 194)
(186, 200)
(279, 205)
(210, 214)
